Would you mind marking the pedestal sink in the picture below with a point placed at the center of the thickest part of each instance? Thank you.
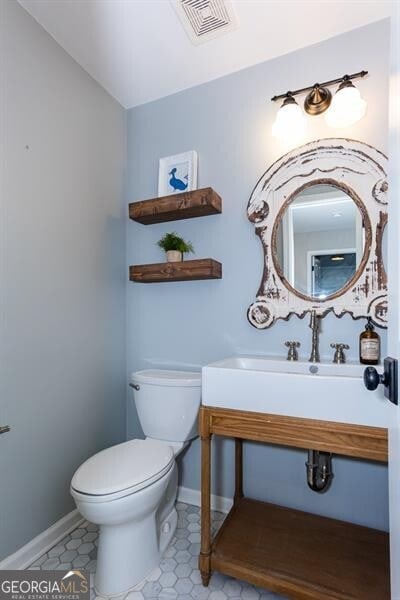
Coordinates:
(323, 391)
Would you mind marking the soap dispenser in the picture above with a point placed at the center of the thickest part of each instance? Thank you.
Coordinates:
(370, 345)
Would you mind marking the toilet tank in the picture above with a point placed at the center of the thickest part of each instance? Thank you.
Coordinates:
(167, 403)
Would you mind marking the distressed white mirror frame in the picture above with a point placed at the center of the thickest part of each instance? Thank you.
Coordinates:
(360, 171)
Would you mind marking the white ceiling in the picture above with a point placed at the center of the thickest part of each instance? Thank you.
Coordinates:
(138, 50)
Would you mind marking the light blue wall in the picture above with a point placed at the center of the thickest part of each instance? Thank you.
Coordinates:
(62, 275)
(228, 122)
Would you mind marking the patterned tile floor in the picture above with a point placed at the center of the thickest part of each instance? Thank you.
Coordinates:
(176, 578)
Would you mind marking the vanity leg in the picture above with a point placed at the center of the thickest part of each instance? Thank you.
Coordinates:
(205, 547)
(238, 470)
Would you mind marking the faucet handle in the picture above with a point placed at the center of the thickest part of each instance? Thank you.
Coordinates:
(292, 352)
(339, 356)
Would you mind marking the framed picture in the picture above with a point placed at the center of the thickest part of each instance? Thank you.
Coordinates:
(177, 173)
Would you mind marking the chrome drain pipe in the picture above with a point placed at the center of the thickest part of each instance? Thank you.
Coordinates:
(319, 470)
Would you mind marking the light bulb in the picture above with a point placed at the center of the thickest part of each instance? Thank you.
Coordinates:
(290, 122)
(347, 106)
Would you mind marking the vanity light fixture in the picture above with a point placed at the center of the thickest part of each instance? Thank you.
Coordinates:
(289, 119)
(346, 107)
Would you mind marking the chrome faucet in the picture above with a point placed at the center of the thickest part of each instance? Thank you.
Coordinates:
(339, 356)
(314, 325)
(292, 352)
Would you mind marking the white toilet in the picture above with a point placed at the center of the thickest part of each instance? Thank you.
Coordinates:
(130, 489)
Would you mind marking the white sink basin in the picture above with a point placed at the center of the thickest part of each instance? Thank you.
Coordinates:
(324, 391)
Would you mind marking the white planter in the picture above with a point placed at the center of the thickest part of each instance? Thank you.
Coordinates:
(174, 256)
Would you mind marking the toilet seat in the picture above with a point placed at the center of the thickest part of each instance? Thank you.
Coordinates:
(122, 470)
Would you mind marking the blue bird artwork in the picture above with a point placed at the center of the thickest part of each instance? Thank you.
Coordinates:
(175, 183)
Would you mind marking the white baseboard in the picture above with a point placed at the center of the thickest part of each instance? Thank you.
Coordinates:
(25, 556)
(189, 496)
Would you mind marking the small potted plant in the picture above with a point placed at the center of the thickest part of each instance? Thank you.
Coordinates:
(174, 246)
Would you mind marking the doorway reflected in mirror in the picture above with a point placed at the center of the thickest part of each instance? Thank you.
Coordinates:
(330, 272)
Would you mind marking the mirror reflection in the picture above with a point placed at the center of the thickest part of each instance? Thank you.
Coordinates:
(320, 241)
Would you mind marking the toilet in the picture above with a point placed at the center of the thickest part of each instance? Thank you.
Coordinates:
(130, 489)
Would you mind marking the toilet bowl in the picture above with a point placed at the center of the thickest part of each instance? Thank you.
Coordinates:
(130, 489)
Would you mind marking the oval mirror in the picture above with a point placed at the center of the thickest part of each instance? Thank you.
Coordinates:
(319, 241)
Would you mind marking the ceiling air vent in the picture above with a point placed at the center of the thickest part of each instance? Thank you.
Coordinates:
(205, 20)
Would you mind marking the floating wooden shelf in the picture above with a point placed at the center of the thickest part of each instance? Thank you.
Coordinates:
(301, 555)
(187, 270)
(198, 203)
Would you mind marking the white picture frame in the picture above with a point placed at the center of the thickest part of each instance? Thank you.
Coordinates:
(177, 174)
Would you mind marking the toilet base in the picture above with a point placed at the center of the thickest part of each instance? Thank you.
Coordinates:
(102, 579)
(167, 532)
(131, 544)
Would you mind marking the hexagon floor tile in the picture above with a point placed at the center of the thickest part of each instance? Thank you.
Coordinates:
(176, 578)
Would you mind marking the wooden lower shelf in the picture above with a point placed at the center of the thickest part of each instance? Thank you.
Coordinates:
(186, 270)
(301, 555)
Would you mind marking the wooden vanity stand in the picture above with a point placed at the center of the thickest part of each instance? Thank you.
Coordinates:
(297, 554)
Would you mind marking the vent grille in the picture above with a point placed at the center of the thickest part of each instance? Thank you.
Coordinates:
(205, 19)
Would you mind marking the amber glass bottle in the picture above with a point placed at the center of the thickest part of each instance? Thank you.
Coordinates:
(370, 345)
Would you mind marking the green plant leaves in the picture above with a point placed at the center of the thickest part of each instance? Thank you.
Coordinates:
(172, 241)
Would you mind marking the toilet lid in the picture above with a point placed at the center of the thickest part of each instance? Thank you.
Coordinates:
(123, 467)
